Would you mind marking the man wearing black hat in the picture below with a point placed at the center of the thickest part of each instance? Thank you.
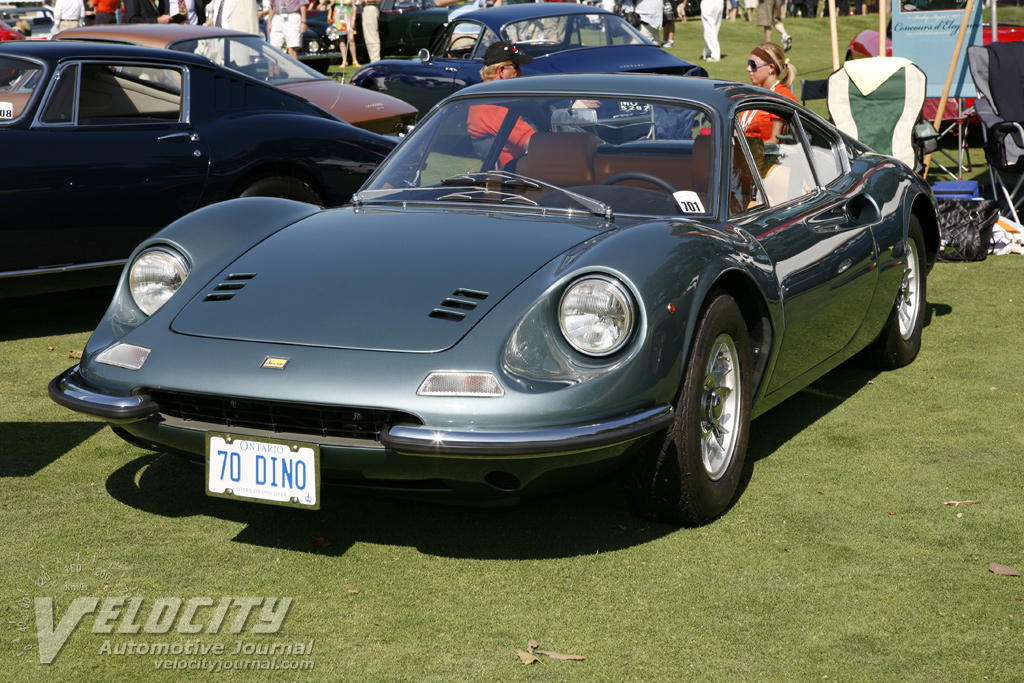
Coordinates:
(502, 60)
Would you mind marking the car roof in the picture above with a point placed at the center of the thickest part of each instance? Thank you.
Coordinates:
(495, 17)
(149, 35)
(53, 51)
(719, 94)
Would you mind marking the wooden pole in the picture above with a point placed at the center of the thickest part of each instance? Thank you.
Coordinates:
(949, 77)
(835, 34)
(883, 50)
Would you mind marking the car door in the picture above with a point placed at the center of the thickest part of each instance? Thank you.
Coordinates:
(453, 64)
(124, 156)
(819, 239)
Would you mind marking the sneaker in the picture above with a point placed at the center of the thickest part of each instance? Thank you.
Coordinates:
(712, 59)
(668, 43)
(787, 42)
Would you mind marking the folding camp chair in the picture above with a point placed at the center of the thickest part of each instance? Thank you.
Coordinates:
(878, 100)
(813, 90)
(998, 73)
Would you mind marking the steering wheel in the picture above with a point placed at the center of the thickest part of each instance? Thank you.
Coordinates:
(640, 175)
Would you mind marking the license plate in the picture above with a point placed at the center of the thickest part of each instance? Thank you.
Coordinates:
(263, 470)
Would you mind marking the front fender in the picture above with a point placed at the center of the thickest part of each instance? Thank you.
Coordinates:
(208, 239)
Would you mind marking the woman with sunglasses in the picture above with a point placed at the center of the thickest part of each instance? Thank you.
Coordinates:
(768, 68)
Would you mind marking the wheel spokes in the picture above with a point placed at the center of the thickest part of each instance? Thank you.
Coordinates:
(719, 407)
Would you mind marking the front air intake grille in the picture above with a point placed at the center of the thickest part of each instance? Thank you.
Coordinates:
(225, 291)
(280, 417)
(453, 308)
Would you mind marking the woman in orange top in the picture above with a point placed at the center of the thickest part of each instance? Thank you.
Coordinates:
(768, 68)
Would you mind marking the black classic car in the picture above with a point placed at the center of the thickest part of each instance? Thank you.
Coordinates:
(104, 144)
(561, 37)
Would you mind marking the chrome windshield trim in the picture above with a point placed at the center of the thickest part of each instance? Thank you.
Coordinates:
(428, 441)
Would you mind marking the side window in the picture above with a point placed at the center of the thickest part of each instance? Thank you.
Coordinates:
(123, 93)
(744, 192)
(20, 82)
(460, 40)
(785, 171)
(824, 151)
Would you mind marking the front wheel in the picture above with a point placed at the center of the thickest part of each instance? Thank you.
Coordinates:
(689, 474)
(285, 187)
(900, 340)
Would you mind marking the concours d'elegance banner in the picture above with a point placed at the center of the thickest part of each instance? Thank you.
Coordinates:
(925, 31)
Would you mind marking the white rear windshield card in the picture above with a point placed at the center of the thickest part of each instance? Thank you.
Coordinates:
(6, 110)
(688, 201)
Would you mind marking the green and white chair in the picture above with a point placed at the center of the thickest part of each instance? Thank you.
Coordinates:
(877, 101)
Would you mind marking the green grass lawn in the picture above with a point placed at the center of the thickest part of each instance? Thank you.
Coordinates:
(839, 561)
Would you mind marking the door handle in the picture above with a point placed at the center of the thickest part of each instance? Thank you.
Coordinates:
(181, 136)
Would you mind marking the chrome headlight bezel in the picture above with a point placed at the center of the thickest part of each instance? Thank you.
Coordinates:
(333, 33)
(151, 290)
(615, 316)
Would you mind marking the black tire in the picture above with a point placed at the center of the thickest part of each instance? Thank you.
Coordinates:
(900, 339)
(689, 474)
(285, 187)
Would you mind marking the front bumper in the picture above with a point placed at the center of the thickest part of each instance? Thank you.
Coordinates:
(69, 390)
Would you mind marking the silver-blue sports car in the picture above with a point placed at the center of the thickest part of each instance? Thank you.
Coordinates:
(550, 278)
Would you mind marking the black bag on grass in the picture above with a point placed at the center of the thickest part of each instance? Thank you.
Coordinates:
(969, 223)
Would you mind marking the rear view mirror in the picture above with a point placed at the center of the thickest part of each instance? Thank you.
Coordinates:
(574, 116)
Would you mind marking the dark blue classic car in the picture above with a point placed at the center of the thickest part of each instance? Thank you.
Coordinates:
(612, 275)
(562, 38)
(104, 144)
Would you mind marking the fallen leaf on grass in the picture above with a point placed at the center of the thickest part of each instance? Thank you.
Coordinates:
(532, 645)
(954, 503)
(526, 657)
(322, 542)
(353, 591)
(75, 354)
(49, 348)
(1002, 570)
(559, 655)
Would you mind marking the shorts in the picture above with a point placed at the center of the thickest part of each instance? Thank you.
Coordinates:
(750, 4)
(769, 12)
(284, 30)
(668, 9)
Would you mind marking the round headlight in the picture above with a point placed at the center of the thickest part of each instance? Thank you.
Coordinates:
(333, 33)
(154, 277)
(596, 315)
(313, 46)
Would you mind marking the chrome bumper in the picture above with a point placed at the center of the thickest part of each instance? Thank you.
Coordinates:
(67, 390)
(427, 441)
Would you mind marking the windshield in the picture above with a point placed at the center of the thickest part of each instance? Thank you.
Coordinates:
(251, 56)
(544, 35)
(579, 153)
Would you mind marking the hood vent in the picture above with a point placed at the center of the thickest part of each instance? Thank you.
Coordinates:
(225, 291)
(454, 308)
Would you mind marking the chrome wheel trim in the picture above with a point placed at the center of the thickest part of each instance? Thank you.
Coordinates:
(908, 299)
(719, 409)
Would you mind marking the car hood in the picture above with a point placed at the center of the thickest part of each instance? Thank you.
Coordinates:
(350, 103)
(378, 279)
(625, 58)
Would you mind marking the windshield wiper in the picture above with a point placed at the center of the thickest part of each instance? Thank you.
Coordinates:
(508, 179)
(487, 195)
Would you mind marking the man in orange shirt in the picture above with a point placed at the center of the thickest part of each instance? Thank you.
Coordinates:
(502, 60)
(106, 11)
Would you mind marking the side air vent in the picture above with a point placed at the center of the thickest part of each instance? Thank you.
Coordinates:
(461, 300)
(225, 291)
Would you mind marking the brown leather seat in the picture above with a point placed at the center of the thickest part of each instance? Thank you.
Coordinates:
(563, 159)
